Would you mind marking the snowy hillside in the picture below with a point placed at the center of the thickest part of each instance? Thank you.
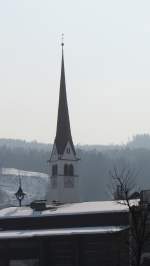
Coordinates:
(34, 184)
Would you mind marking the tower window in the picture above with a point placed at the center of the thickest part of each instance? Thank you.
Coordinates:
(71, 170)
(54, 170)
(68, 150)
(66, 172)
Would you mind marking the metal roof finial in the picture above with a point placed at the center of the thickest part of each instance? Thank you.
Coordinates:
(20, 194)
(62, 39)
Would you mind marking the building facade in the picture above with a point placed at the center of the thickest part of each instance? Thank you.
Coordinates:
(79, 234)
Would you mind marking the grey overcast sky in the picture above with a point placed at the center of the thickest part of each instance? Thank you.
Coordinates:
(107, 62)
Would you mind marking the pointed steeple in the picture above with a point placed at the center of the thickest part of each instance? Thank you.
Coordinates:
(63, 132)
(64, 178)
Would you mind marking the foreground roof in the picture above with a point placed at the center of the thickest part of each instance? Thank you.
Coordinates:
(66, 209)
(61, 232)
(76, 218)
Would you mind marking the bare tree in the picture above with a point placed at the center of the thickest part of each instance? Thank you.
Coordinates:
(124, 189)
(123, 183)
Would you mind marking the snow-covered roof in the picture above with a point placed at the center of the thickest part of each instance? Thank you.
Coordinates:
(64, 231)
(66, 209)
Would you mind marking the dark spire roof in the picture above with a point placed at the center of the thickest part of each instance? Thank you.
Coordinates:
(63, 132)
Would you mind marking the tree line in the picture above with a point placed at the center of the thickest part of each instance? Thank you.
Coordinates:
(94, 166)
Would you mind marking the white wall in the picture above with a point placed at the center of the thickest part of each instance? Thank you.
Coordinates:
(62, 193)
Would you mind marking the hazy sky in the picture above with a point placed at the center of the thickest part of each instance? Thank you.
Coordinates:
(107, 61)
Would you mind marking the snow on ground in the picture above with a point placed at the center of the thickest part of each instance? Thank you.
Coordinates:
(21, 173)
(34, 184)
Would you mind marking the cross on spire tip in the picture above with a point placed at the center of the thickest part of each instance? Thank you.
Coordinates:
(62, 40)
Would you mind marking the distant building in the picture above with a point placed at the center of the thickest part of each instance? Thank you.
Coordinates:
(64, 180)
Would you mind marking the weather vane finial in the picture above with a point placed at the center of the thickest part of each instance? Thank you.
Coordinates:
(62, 39)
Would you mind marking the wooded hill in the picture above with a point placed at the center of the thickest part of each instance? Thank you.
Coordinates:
(96, 161)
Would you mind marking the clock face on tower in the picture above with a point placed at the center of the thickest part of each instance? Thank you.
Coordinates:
(69, 181)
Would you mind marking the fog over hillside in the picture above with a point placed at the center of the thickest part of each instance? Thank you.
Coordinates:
(95, 164)
(137, 141)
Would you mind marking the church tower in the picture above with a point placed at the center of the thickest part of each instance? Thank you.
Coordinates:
(63, 161)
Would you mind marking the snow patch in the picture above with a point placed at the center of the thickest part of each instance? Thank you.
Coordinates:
(34, 184)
